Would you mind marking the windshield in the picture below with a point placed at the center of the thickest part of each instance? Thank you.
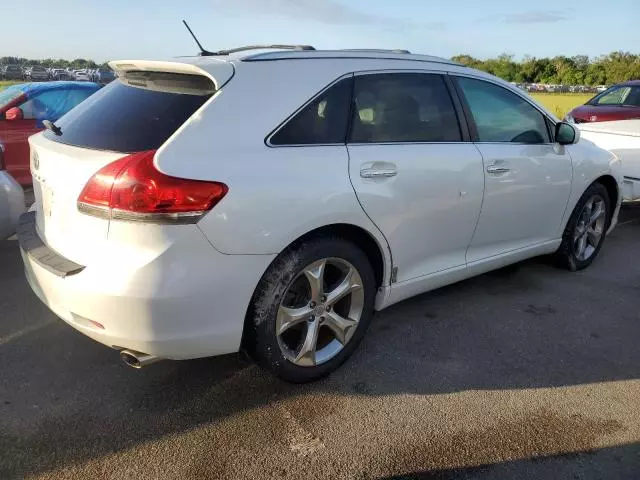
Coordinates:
(622, 95)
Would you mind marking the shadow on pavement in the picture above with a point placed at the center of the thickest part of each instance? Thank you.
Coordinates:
(64, 398)
(589, 465)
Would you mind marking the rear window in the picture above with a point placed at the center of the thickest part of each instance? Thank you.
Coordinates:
(139, 112)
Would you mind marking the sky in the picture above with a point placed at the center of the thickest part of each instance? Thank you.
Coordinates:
(120, 29)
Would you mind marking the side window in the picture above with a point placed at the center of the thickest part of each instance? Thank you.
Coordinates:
(502, 116)
(53, 104)
(323, 121)
(403, 107)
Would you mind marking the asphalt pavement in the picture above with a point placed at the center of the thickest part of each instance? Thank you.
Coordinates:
(530, 372)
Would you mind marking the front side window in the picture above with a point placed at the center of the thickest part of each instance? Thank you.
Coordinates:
(620, 96)
(321, 122)
(501, 115)
(403, 107)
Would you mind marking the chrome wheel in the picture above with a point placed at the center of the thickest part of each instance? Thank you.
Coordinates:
(590, 228)
(320, 312)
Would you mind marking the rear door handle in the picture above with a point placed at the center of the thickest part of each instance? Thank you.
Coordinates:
(497, 169)
(378, 172)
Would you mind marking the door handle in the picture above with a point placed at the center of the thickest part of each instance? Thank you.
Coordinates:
(497, 169)
(378, 172)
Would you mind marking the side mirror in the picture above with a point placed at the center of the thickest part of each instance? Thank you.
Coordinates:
(567, 134)
(14, 113)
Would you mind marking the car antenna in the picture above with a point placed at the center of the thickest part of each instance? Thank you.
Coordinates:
(203, 52)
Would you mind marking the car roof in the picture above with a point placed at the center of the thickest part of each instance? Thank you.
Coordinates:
(38, 87)
(632, 83)
(258, 53)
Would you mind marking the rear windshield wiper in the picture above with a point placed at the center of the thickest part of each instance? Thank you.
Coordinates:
(49, 125)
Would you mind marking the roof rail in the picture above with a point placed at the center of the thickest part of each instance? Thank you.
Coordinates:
(261, 47)
(376, 50)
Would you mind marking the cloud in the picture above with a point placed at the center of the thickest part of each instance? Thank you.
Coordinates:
(536, 16)
(323, 11)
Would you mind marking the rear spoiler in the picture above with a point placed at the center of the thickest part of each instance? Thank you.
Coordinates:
(218, 71)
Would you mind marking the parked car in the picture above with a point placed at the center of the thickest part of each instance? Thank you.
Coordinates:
(60, 74)
(83, 76)
(23, 110)
(11, 200)
(37, 73)
(620, 102)
(105, 76)
(621, 137)
(175, 222)
(12, 72)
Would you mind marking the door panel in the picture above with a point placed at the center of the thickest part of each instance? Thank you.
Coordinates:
(527, 177)
(428, 209)
(526, 192)
(414, 177)
(14, 135)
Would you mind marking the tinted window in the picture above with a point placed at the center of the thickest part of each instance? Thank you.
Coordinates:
(502, 116)
(619, 96)
(403, 107)
(125, 118)
(323, 121)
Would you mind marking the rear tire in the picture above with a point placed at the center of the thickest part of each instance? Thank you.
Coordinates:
(586, 229)
(311, 309)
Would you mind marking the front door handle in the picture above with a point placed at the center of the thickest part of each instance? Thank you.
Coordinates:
(497, 169)
(378, 172)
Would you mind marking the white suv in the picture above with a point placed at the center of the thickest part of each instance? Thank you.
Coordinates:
(271, 200)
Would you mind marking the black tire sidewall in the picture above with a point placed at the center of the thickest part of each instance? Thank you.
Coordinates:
(567, 250)
(260, 339)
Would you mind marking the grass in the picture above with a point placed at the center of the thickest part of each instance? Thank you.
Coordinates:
(6, 83)
(561, 103)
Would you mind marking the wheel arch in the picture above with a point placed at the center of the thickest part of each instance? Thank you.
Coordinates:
(361, 238)
(610, 183)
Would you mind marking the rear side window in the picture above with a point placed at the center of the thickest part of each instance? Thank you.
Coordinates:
(501, 115)
(321, 122)
(138, 113)
(403, 107)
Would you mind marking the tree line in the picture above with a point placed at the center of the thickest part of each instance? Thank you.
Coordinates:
(577, 70)
(77, 64)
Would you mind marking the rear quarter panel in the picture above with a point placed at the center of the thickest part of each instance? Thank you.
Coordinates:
(276, 194)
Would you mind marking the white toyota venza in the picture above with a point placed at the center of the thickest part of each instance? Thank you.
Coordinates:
(271, 200)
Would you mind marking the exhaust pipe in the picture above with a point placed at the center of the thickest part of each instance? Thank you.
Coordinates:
(137, 359)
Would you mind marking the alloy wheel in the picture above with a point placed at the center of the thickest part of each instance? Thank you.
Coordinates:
(320, 312)
(590, 228)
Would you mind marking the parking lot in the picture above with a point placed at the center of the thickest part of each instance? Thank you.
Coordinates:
(528, 372)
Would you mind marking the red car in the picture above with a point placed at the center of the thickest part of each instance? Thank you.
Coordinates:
(24, 108)
(620, 102)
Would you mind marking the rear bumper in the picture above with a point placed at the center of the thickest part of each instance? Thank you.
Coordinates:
(11, 204)
(188, 302)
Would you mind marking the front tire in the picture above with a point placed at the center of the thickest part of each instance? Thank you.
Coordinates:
(586, 230)
(311, 309)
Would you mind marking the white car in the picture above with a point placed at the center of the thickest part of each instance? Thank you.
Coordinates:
(621, 137)
(271, 200)
(11, 201)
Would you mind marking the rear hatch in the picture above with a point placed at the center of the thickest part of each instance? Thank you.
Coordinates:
(136, 113)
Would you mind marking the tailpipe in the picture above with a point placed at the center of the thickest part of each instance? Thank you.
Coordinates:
(137, 359)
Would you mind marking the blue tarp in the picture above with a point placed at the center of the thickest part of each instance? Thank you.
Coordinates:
(51, 100)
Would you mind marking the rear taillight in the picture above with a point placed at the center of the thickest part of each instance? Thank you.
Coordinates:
(131, 188)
